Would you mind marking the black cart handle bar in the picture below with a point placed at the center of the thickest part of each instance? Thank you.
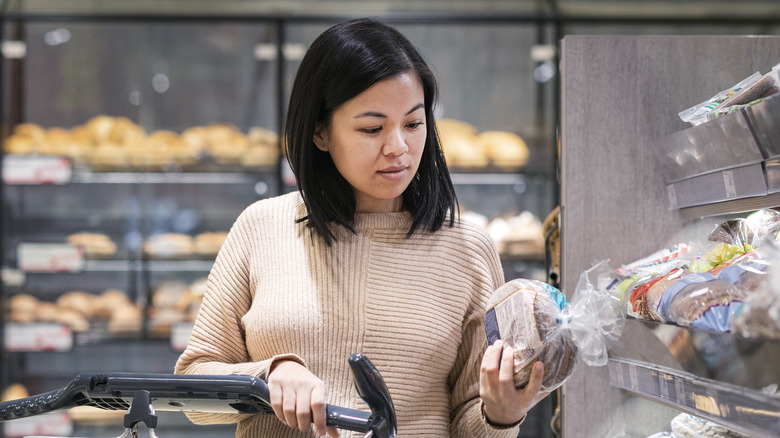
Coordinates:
(207, 393)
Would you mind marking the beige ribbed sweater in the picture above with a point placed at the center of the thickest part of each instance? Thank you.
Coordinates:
(413, 306)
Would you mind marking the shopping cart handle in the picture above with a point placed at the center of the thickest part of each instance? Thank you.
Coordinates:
(207, 393)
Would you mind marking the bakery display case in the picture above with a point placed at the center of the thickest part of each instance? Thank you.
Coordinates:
(621, 96)
(132, 142)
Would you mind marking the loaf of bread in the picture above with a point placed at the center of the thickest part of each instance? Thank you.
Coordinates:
(168, 245)
(209, 243)
(96, 245)
(524, 314)
(505, 149)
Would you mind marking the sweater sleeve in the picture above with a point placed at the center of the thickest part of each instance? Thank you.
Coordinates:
(468, 419)
(217, 345)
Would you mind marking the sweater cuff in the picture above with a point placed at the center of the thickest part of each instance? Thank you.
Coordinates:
(499, 426)
(479, 426)
(263, 368)
(282, 358)
(496, 430)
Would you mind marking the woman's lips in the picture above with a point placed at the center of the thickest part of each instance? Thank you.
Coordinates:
(395, 172)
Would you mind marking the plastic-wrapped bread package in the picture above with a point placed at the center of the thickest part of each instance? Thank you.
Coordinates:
(759, 314)
(537, 322)
(640, 276)
(689, 426)
(759, 227)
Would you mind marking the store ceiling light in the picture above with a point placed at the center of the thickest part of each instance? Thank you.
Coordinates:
(160, 83)
(57, 36)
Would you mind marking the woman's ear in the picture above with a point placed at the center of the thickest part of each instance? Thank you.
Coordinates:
(321, 137)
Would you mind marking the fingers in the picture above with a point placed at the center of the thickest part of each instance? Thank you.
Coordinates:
(535, 381)
(275, 397)
(506, 373)
(290, 404)
(318, 406)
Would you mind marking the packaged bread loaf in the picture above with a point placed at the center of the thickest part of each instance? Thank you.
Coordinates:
(539, 324)
(525, 315)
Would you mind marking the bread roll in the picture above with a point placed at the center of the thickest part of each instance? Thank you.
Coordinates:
(505, 149)
(80, 302)
(14, 391)
(209, 243)
(96, 245)
(168, 293)
(169, 245)
(25, 303)
(106, 303)
(525, 315)
(126, 319)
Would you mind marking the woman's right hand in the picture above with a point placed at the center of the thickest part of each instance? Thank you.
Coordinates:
(299, 398)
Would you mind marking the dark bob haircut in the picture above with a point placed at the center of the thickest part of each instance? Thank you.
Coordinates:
(341, 63)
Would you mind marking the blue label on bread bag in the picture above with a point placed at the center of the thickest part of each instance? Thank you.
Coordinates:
(557, 296)
(491, 326)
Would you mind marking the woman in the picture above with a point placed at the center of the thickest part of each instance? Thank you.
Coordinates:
(367, 256)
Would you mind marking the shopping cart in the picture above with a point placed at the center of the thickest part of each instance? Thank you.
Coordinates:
(142, 395)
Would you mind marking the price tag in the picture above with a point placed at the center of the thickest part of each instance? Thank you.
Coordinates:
(35, 336)
(728, 181)
(57, 424)
(33, 169)
(180, 335)
(50, 257)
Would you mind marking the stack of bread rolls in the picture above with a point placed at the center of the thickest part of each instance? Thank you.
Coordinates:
(117, 143)
(467, 148)
(79, 309)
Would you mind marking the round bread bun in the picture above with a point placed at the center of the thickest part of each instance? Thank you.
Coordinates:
(168, 293)
(95, 244)
(74, 319)
(168, 245)
(16, 144)
(46, 312)
(505, 149)
(126, 319)
(209, 243)
(23, 303)
(108, 301)
(525, 315)
(14, 391)
(77, 301)
(447, 127)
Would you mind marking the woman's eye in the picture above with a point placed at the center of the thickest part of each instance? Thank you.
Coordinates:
(413, 125)
(372, 130)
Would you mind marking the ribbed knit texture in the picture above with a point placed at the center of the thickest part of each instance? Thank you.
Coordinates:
(413, 306)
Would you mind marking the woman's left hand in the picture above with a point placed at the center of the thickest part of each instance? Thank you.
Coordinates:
(505, 404)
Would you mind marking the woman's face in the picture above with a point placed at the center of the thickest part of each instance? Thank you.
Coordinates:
(376, 140)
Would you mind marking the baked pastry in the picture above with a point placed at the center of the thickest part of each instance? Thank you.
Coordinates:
(169, 245)
(458, 143)
(77, 301)
(96, 245)
(107, 302)
(126, 319)
(209, 243)
(168, 293)
(74, 319)
(524, 313)
(14, 391)
(505, 149)
(24, 303)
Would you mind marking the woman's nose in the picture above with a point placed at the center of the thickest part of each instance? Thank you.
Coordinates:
(395, 143)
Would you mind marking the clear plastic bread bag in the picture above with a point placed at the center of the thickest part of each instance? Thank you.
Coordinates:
(537, 322)
(759, 315)
(698, 113)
